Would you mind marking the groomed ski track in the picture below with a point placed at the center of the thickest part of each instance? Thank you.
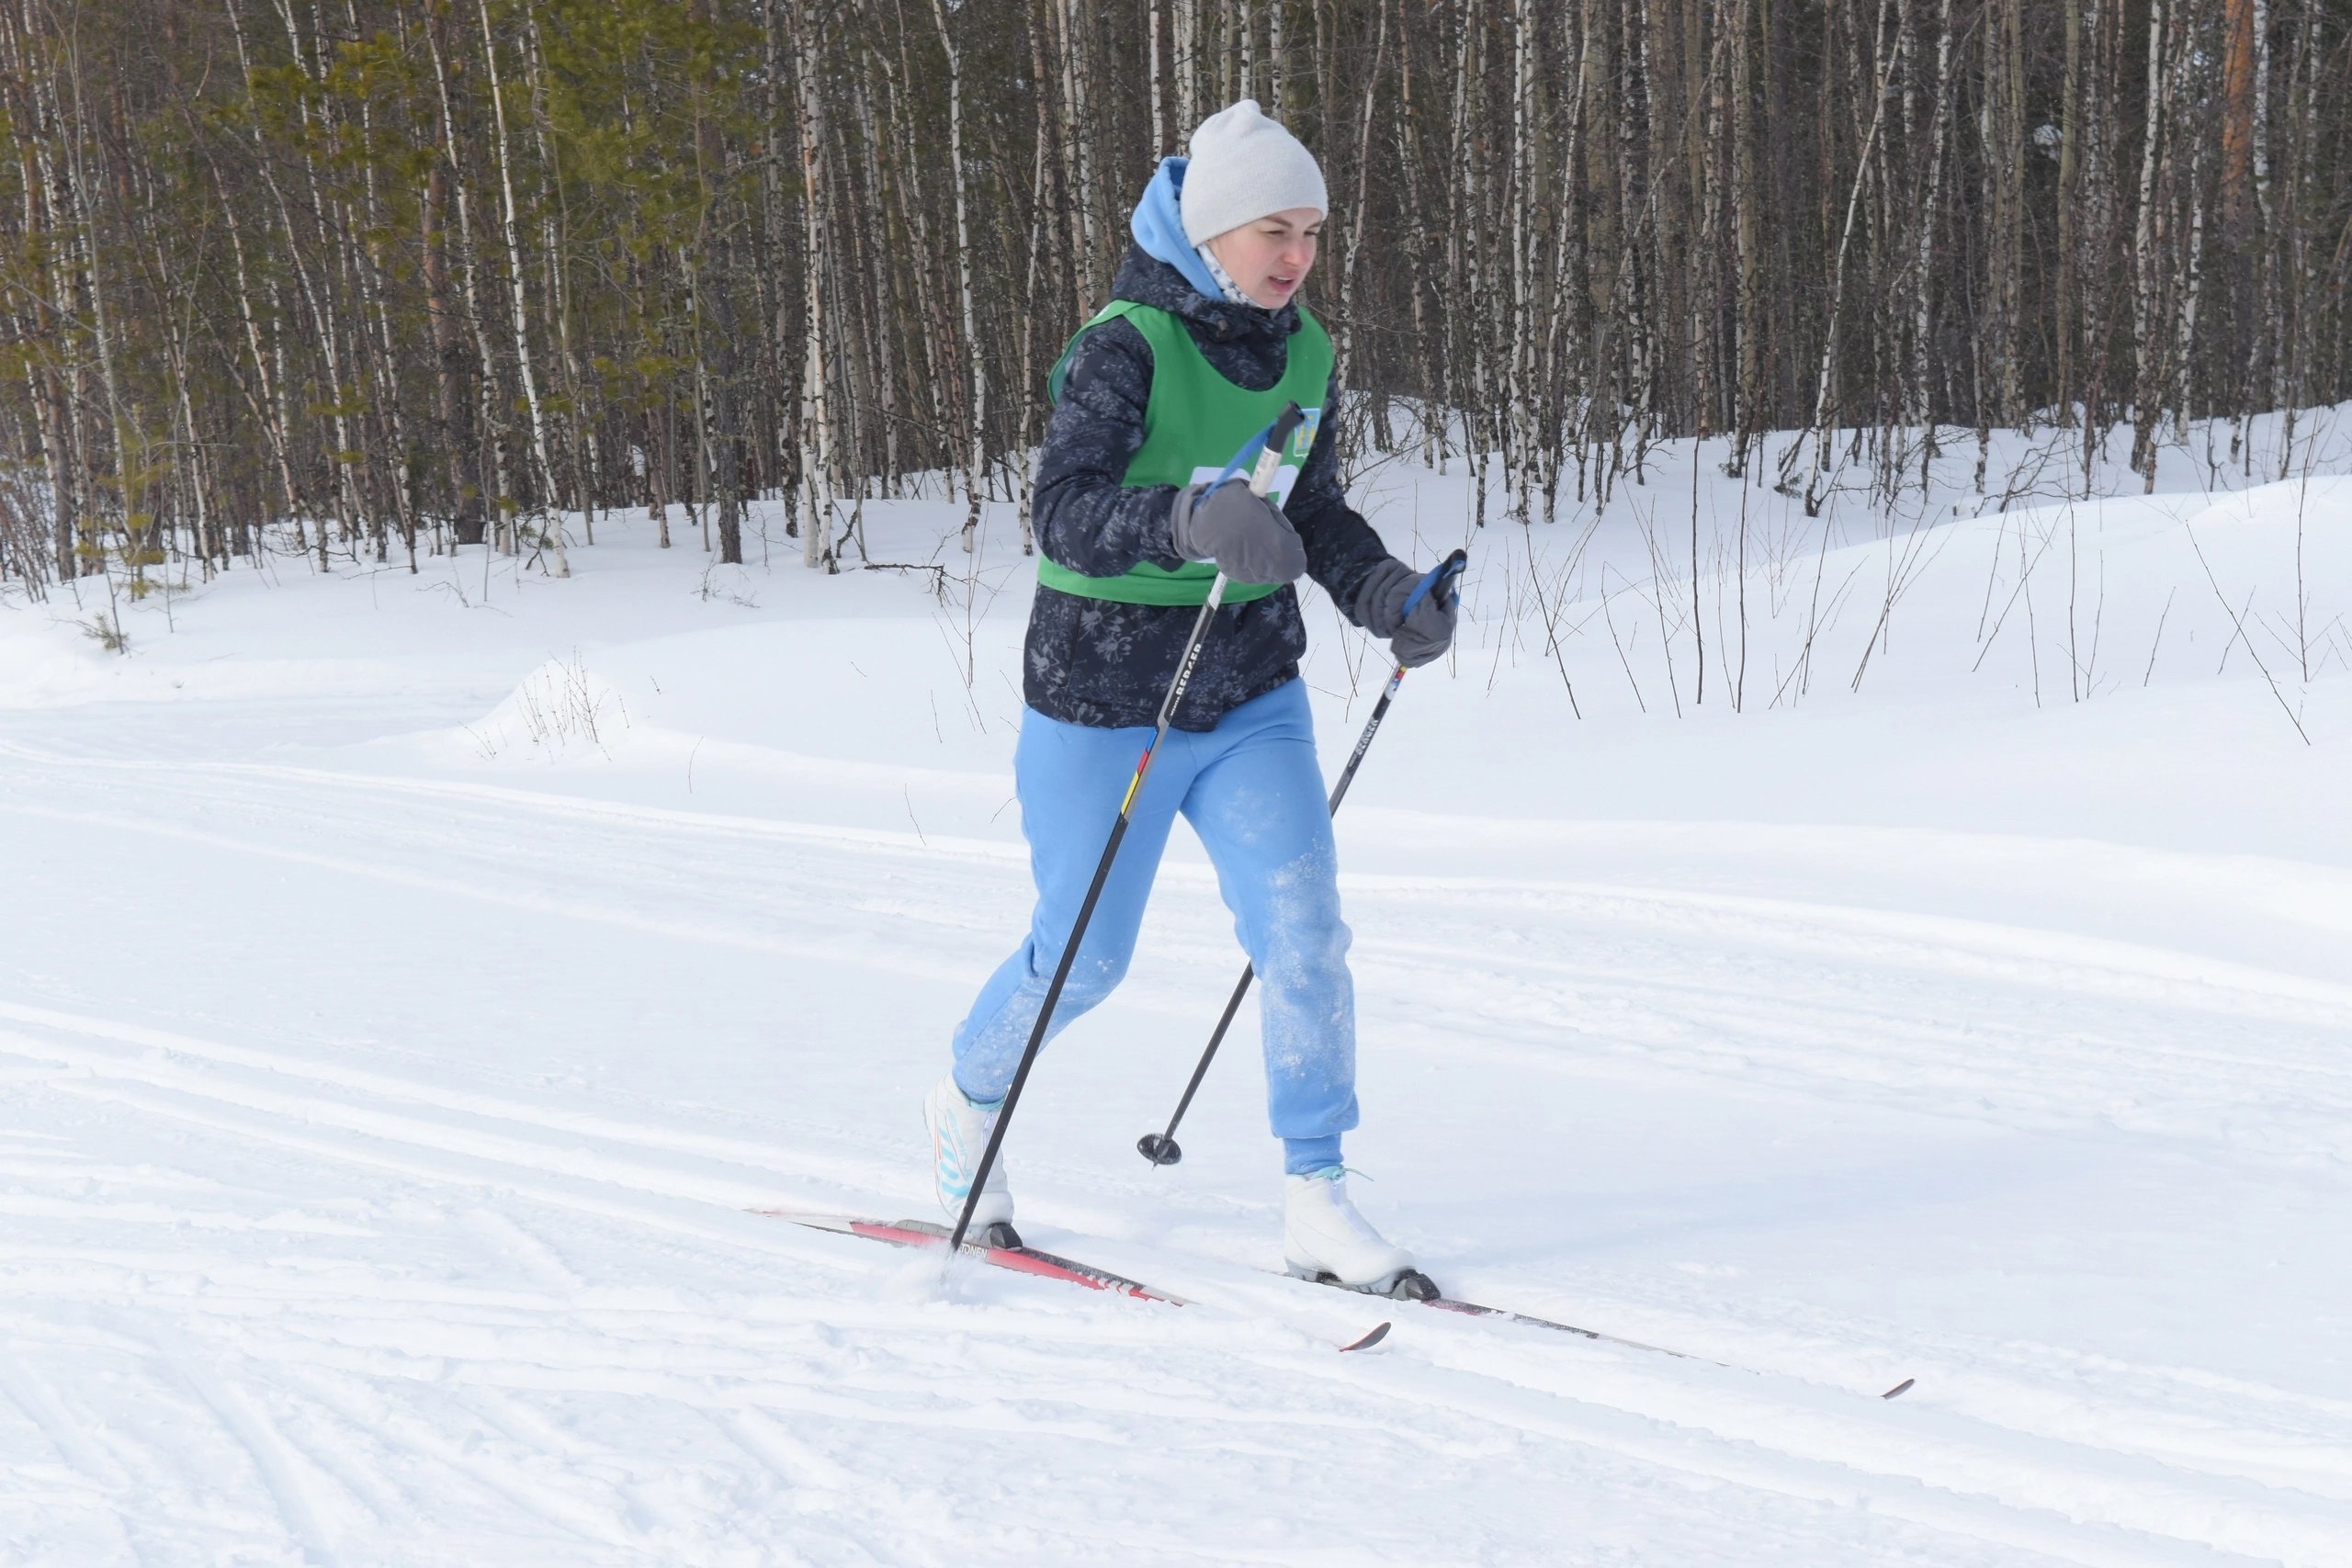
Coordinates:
(328, 1241)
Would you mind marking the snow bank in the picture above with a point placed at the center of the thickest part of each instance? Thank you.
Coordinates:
(47, 660)
(561, 710)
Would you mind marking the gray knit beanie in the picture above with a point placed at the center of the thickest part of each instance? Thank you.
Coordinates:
(1244, 166)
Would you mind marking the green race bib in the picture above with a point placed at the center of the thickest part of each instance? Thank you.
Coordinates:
(1194, 423)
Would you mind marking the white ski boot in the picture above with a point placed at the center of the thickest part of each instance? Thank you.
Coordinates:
(1324, 1239)
(959, 1135)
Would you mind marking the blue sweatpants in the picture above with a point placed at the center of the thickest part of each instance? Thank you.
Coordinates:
(1253, 792)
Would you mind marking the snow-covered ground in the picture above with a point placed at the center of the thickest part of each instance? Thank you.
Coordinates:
(410, 987)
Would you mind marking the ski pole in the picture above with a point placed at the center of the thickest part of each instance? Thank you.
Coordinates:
(1161, 1148)
(1261, 480)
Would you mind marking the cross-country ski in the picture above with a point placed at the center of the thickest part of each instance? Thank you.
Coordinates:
(1529, 1320)
(1000, 1249)
(1534, 786)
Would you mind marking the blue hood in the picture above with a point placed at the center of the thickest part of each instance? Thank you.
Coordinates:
(1158, 228)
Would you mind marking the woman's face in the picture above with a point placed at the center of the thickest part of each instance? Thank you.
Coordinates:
(1269, 258)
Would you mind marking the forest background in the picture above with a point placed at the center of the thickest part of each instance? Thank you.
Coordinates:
(386, 278)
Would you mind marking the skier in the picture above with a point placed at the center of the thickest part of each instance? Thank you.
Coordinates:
(1203, 343)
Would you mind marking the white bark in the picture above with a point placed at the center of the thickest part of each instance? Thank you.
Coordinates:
(817, 435)
(2143, 298)
(1519, 198)
(978, 411)
(1923, 303)
(553, 535)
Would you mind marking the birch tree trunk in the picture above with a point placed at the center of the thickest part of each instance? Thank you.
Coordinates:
(2147, 385)
(816, 418)
(551, 538)
(1922, 409)
(976, 461)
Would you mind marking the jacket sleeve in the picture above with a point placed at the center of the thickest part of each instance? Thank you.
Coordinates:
(1086, 520)
(1341, 549)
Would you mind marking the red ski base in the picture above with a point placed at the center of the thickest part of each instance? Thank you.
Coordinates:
(1020, 1260)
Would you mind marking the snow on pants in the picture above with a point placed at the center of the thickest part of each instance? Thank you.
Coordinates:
(1254, 791)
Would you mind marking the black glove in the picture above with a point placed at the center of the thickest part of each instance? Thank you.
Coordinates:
(1247, 535)
(1413, 639)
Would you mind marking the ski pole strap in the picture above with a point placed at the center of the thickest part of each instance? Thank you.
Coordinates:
(1249, 449)
(1441, 576)
(1269, 444)
(1272, 439)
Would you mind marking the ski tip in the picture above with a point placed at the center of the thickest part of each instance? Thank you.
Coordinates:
(1379, 1332)
(1898, 1388)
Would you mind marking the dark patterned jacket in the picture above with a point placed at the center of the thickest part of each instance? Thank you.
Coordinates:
(1099, 662)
